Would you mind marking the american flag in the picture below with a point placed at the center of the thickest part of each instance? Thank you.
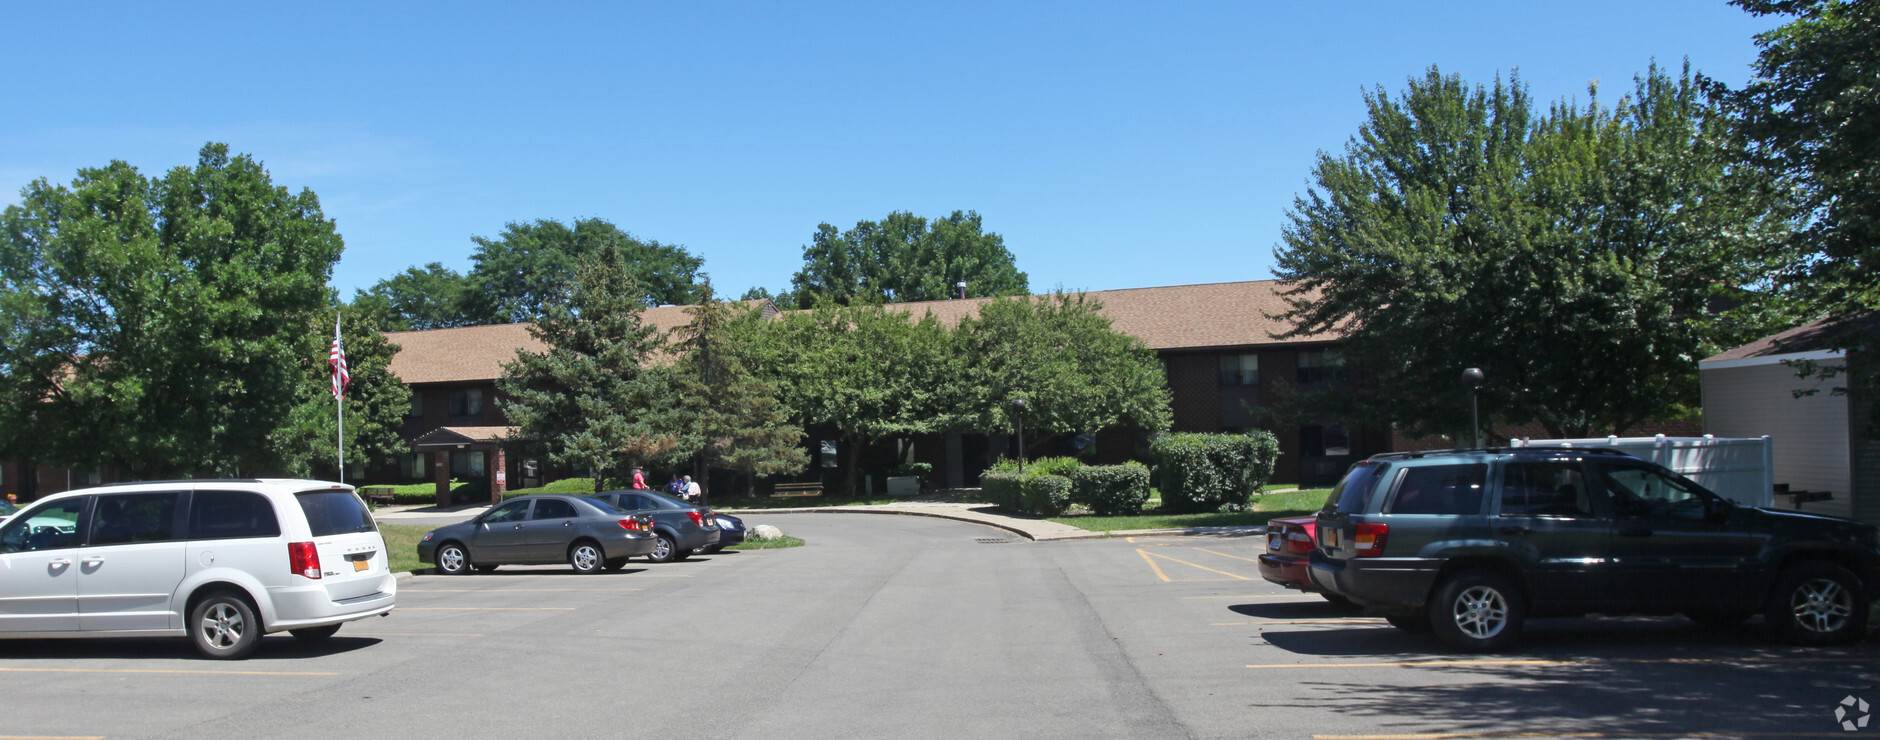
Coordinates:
(337, 358)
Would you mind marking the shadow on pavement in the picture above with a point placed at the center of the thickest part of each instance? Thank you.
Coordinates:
(280, 646)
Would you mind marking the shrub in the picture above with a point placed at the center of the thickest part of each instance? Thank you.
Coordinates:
(1210, 472)
(1045, 495)
(1111, 490)
(1063, 466)
(1001, 487)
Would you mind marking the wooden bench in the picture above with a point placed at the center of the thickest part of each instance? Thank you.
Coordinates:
(792, 490)
(377, 495)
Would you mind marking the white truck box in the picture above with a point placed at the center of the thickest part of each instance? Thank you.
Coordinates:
(1739, 469)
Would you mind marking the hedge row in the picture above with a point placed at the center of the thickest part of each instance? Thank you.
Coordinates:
(1212, 472)
(1112, 490)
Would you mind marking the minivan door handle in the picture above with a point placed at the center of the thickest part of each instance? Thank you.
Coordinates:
(1512, 529)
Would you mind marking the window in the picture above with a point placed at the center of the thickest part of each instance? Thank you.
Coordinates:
(411, 465)
(513, 511)
(335, 512)
(466, 402)
(1545, 489)
(133, 517)
(1440, 489)
(466, 464)
(417, 405)
(50, 528)
(1319, 366)
(1240, 370)
(1646, 492)
(1328, 440)
(552, 508)
(216, 515)
(1348, 497)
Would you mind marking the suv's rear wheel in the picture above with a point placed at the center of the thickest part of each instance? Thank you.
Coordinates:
(224, 627)
(1477, 611)
(1818, 603)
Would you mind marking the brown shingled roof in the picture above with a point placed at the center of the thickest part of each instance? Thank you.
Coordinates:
(475, 353)
(1810, 337)
(1180, 317)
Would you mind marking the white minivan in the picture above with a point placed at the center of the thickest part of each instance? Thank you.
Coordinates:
(222, 562)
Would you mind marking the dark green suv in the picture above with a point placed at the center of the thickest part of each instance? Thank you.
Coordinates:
(1470, 543)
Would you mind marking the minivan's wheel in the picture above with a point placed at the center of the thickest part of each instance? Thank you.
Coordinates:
(314, 635)
(224, 627)
(1414, 623)
(452, 559)
(586, 557)
(664, 551)
(1818, 603)
(1477, 611)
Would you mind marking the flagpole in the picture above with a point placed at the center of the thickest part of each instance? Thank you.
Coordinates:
(339, 400)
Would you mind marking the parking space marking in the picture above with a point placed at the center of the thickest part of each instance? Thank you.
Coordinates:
(1153, 566)
(506, 590)
(1158, 571)
(1548, 662)
(1225, 555)
(168, 671)
(1515, 735)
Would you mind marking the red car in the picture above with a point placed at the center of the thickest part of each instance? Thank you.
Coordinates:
(1288, 545)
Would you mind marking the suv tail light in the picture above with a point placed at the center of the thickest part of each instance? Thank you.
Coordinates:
(696, 517)
(303, 559)
(1370, 539)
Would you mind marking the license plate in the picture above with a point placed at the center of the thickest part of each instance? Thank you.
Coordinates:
(1331, 536)
(359, 565)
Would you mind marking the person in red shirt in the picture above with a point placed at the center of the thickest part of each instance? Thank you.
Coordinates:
(639, 479)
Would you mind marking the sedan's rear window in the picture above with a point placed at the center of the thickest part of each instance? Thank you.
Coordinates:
(1348, 497)
(335, 512)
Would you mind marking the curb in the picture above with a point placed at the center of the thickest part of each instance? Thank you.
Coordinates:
(1241, 531)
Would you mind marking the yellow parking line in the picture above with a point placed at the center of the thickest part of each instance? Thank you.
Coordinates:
(486, 608)
(1225, 555)
(1152, 565)
(160, 670)
(1596, 661)
(1146, 553)
(506, 590)
(1517, 735)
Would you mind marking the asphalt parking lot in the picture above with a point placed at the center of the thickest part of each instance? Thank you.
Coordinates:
(914, 627)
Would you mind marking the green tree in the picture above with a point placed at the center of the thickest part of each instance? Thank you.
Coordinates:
(1575, 254)
(1058, 353)
(865, 371)
(160, 325)
(905, 258)
(1812, 114)
(734, 417)
(516, 276)
(588, 400)
(432, 297)
(376, 402)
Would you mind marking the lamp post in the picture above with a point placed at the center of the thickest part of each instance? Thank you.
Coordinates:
(1018, 413)
(962, 287)
(1473, 377)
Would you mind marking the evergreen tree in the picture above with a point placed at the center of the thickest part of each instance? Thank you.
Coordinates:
(735, 420)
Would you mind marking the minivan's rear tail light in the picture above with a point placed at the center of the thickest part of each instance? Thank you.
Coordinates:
(1370, 539)
(696, 517)
(303, 559)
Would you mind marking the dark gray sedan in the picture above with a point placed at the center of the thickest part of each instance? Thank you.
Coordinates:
(587, 534)
(681, 527)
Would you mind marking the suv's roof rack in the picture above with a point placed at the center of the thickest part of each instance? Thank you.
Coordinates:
(181, 480)
(1414, 454)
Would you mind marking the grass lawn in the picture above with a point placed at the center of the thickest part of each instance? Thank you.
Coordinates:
(1265, 506)
(776, 544)
(401, 544)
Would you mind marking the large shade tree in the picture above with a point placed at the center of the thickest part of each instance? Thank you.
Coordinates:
(514, 277)
(588, 400)
(905, 258)
(733, 418)
(376, 403)
(1582, 255)
(162, 325)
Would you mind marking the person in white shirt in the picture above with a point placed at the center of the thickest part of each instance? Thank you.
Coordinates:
(692, 491)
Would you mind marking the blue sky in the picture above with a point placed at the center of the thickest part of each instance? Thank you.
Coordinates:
(1113, 145)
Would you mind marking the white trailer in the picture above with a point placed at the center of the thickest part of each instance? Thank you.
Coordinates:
(1741, 469)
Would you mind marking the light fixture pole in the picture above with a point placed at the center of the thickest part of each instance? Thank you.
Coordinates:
(1018, 409)
(1473, 377)
(962, 287)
